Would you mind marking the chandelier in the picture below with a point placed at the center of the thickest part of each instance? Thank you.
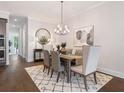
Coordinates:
(61, 28)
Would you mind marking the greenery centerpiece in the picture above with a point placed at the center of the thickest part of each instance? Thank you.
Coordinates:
(58, 47)
(43, 41)
(63, 45)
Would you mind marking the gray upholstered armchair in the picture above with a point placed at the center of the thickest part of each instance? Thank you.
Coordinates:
(56, 64)
(47, 61)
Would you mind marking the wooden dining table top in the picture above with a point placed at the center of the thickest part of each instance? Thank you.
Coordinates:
(70, 57)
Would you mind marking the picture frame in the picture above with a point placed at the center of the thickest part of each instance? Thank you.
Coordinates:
(84, 35)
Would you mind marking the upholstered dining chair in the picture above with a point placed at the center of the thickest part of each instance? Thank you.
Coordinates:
(47, 61)
(68, 51)
(78, 52)
(90, 56)
(56, 64)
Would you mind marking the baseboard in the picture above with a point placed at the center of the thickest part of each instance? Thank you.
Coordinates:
(111, 72)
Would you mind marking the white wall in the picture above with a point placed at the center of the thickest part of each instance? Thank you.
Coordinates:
(21, 40)
(23, 31)
(23, 36)
(108, 20)
(33, 26)
(6, 16)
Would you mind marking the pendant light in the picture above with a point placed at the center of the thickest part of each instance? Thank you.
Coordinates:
(61, 28)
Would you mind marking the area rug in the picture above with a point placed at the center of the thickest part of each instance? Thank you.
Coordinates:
(47, 84)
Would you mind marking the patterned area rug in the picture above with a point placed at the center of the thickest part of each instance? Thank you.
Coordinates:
(47, 84)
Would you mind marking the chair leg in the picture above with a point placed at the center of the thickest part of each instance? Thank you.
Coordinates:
(51, 73)
(85, 83)
(95, 77)
(58, 76)
(80, 75)
(63, 73)
(74, 73)
(66, 70)
(48, 71)
(70, 76)
(44, 68)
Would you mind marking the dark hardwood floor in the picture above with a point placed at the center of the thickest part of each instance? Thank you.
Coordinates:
(14, 78)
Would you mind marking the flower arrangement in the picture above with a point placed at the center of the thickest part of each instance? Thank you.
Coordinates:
(58, 47)
(63, 45)
(43, 40)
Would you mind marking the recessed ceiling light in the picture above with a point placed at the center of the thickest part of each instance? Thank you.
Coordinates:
(13, 25)
(15, 19)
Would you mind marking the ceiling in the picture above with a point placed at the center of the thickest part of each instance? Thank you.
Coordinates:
(46, 10)
(18, 21)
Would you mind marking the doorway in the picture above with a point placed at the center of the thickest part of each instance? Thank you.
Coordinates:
(17, 29)
(13, 40)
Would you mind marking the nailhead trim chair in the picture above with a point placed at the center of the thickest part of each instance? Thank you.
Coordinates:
(56, 64)
(47, 61)
(90, 56)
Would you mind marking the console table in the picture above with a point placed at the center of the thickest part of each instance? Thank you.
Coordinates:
(38, 55)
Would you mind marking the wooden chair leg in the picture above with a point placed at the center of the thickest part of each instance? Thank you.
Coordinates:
(66, 70)
(95, 77)
(48, 71)
(44, 68)
(51, 73)
(74, 73)
(85, 83)
(58, 76)
(70, 76)
(63, 73)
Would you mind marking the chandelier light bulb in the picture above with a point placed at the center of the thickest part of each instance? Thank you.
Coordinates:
(68, 30)
(64, 31)
(66, 27)
(58, 26)
(55, 30)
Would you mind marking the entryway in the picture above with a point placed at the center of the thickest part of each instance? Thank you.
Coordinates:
(17, 28)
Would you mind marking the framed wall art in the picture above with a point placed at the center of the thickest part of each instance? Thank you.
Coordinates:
(84, 35)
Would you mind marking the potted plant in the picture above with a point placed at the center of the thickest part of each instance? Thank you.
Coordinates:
(63, 45)
(43, 40)
(58, 47)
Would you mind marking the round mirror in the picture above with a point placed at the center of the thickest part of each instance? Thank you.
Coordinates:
(43, 36)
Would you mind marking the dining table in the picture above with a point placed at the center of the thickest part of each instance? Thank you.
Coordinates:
(69, 58)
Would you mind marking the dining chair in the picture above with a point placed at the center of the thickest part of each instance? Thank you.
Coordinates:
(78, 52)
(56, 64)
(47, 61)
(90, 56)
(68, 51)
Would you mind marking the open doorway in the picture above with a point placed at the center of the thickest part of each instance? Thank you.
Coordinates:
(17, 29)
(13, 40)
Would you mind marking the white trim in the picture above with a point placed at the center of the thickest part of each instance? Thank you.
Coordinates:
(111, 72)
